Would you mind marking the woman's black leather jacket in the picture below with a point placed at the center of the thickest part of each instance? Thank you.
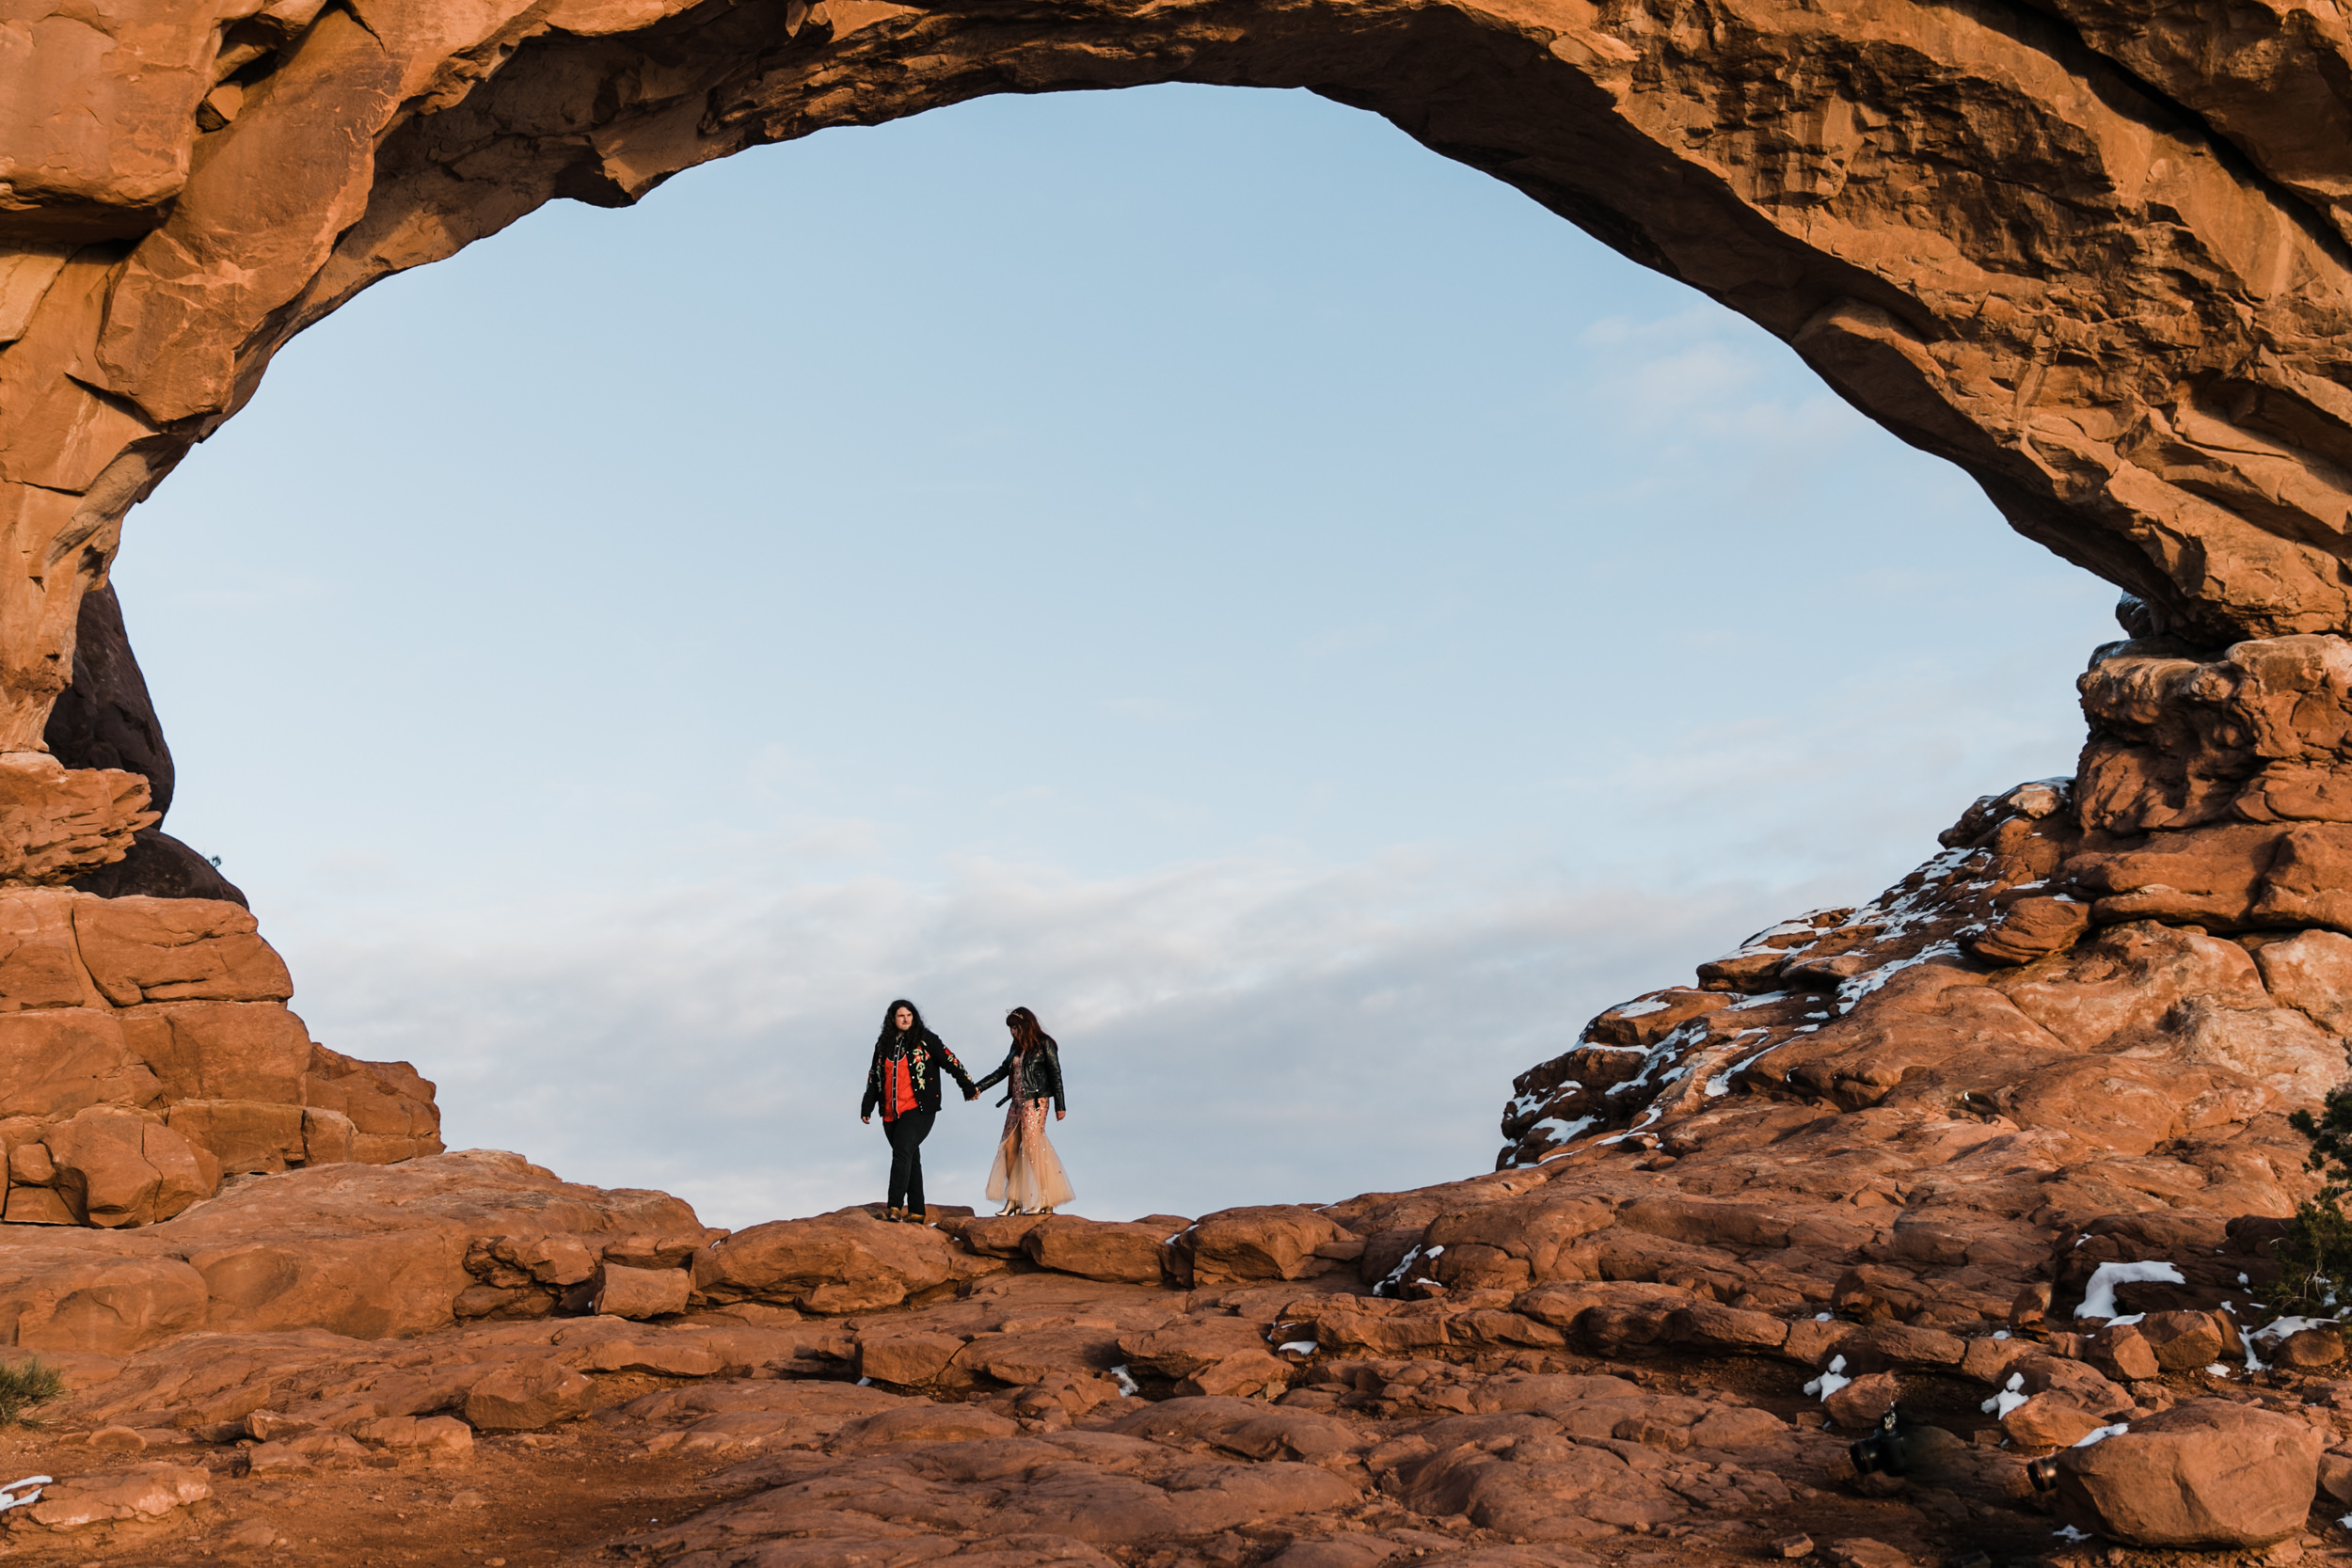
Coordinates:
(1040, 1075)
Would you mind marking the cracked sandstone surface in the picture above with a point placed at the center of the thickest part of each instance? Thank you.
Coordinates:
(1936, 1148)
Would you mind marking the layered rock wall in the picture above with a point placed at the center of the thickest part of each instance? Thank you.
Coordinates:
(2072, 1038)
(146, 1052)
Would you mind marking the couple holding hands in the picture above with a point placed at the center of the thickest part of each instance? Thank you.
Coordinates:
(904, 1083)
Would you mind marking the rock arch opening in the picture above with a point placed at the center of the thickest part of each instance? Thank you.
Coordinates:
(2106, 284)
(2097, 258)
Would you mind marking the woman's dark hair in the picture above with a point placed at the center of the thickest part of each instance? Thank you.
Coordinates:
(1026, 1032)
(890, 1021)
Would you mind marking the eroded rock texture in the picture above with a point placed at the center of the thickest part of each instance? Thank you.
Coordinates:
(1533, 1369)
(2094, 254)
(147, 1052)
(2006, 1144)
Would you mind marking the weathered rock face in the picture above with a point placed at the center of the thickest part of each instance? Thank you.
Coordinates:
(57, 823)
(2096, 260)
(2149, 966)
(146, 1051)
(366, 1252)
(1652, 1403)
(2095, 256)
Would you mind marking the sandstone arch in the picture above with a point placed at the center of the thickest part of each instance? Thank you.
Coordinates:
(2096, 258)
(2095, 254)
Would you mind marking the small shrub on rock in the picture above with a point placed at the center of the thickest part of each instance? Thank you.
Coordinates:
(25, 1385)
(2316, 1255)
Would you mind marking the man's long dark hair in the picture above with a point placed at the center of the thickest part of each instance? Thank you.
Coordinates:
(1027, 1033)
(890, 1023)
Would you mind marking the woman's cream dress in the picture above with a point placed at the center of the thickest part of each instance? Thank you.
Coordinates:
(1026, 1169)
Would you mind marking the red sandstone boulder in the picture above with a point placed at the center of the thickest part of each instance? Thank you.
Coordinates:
(2113, 1102)
(1242, 1375)
(82, 1300)
(2184, 1341)
(2207, 1473)
(2124, 1353)
(1511, 1245)
(994, 1235)
(602, 1345)
(2308, 880)
(309, 1450)
(2309, 1349)
(254, 1050)
(1092, 1250)
(2032, 929)
(924, 1422)
(40, 963)
(905, 1359)
(642, 1292)
(2127, 977)
(848, 1262)
(142, 1493)
(2075, 1382)
(1860, 1403)
(114, 1167)
(142, 949)
(2047, 1421)
(1900, 1049)
(390, 1108)
(362, 1250)
(56, 822)
(2311, 972)
(1726, 1330)
(171, 1008)
(248, 1138)
(2211, 877)
(1274, 1241)
(525, 1396)
(59, 1060)
(438, 1437)
(1028, 1355)
(1189, 1345)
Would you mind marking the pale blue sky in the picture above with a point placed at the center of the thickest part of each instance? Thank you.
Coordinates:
(1307, 621)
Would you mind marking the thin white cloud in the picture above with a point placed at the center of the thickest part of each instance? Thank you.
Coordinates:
(1244, 1030)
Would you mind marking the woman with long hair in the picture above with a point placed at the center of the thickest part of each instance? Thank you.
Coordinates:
(1026, 1176)
(904, 1083)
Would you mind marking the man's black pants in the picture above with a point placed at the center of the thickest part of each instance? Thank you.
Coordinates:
(906, 1136)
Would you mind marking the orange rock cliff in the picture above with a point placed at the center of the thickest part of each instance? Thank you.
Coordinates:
(2003, 1150)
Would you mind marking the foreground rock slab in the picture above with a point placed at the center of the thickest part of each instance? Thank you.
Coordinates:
(364, 1251)
(1016, 1413)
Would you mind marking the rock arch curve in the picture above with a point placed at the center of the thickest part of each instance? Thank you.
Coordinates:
(2095, 254)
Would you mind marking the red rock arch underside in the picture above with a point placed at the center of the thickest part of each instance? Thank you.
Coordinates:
(2095, 254)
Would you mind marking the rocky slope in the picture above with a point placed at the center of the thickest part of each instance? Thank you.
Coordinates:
(2006, 1144)
(1257, 1387)
(2003, 1152)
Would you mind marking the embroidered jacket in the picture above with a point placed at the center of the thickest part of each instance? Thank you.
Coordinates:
(926, 1056)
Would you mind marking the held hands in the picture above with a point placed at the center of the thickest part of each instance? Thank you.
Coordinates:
(971, 1094)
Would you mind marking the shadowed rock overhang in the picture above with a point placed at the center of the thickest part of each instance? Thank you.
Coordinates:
(2095, 254)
